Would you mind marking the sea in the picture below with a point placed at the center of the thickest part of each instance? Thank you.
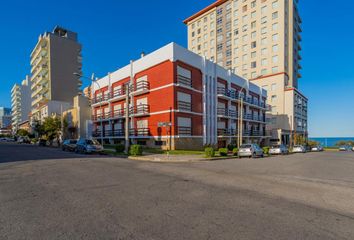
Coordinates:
(330, 142)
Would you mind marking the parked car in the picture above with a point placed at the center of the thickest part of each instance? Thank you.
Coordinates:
(85, 145)
(42, 142)
(250, 150)
(353, 149)
(299, 149)
(344, 148)
(24, 140)
(69, 145)
(317, 149)
(278, 149)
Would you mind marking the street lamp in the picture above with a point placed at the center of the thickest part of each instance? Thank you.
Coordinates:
(102, 93)
(240, 116)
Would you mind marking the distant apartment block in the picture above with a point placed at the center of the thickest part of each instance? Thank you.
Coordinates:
(5, 117)
(54, 59)
(21, 102)
(87, 93)
(258, 40)
(178, 100)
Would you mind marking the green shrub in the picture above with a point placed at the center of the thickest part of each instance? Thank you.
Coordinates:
(231, 147)
(235, 151)
(223, 152)
(266, 150)
(136, 150)
(209, 152)
(120, 148)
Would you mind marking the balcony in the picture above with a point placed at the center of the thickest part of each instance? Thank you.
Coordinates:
(184, 81)
(227, 132)
(140, 132)
(140, 87)
(100, 99)
(184, 131)
(109, 133)
(101, 117)
(223, 112)
(119, 93)
(140, 110)
(184, 106)
(120, 113)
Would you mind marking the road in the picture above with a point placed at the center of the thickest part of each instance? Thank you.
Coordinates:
(49, 194)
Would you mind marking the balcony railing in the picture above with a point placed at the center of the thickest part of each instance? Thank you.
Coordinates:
(184, 106)
(100, 117)
(118, 93)
(118, 113)
(142, 109)
(223, 112)
(140, 132)
(187, 131)
(103, 98)
(227, 132)
(184, 81)
(140, 86)
(109, 133)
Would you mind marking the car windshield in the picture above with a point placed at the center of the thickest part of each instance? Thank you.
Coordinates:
(73, 141)
(92, 142)
(246, 146)
(276, 146)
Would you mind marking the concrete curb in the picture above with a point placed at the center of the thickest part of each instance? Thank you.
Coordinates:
(161, 160)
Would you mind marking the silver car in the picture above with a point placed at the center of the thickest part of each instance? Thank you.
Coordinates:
(88, 146)
(250, 150)
(299, 149)
(278, 149)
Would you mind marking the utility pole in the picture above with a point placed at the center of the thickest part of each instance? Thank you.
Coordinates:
(127, 130)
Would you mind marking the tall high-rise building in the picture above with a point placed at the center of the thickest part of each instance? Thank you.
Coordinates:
(21, 102)
(54, 59)
(259, 40)
(5, 117)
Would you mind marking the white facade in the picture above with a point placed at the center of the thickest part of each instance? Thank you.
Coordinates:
(21, 102)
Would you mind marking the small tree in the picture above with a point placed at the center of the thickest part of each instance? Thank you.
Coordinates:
(312, 143)
(52, 128)
(22, 133)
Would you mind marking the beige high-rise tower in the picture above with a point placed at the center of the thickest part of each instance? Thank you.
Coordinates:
(55, 58)
(259, 40)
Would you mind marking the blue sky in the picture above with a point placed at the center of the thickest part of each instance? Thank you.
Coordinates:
(113, 32)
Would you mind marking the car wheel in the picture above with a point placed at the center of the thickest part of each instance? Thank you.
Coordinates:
(253, 155)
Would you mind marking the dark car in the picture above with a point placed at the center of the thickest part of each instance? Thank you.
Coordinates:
(85, 145)
(42, 142)
(69, 145)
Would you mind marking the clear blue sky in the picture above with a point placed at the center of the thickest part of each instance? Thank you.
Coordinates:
(113, 32)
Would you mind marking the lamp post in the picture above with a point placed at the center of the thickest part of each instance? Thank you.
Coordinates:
(240, 116)
(102, 93)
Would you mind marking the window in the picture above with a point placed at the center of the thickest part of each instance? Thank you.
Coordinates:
(254, 44)
(264, 30)
(253, 35)
(184, 126)
(253, 64)
(275, 59)
(253, 54)
(275, 26)
(264, 62)
(236, 13)
(253, 75)
(274, 98)
(253, 24)
(264, 51)
(275, 4)
(264, 20)
(264, 10)
(245, 48)
(274, 69)
(275, 37)
(184, 101)
(253, 4)
(274, 86)
(275, 48)
(219, 21)
(244, 8)
(212, 25)
(184, 76)
(245, 38)
(245, 57)
(274, 109)
(264, 41)
(244, 19)
(253, 14)
(244, 28)
(219, 11)
(274, 15)
(263, 71)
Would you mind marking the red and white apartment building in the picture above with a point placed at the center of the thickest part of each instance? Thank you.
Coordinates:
(177, 100)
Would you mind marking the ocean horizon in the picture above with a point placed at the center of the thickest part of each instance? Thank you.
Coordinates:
(330, 141)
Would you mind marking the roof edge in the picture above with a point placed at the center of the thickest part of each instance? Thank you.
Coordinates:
(201, 12)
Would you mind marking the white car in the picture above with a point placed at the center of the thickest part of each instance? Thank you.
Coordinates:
(278, 149)
(317, 149)
(299, 149)
(250, 150)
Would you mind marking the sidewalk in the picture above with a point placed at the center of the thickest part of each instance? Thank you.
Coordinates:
(176, 158)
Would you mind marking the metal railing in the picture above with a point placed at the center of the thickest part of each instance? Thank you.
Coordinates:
(184, 131)
(103, 98)
(184, 81)
(185, 106)
(109, 133)
(140, 132)
(140, 86)
(118, 93)
(141, 109)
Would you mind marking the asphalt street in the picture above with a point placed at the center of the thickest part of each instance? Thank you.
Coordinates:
(49, 194)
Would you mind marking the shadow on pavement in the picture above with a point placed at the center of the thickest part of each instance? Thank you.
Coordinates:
(10, 152)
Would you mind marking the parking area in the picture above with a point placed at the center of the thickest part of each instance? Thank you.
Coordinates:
(49, 194)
